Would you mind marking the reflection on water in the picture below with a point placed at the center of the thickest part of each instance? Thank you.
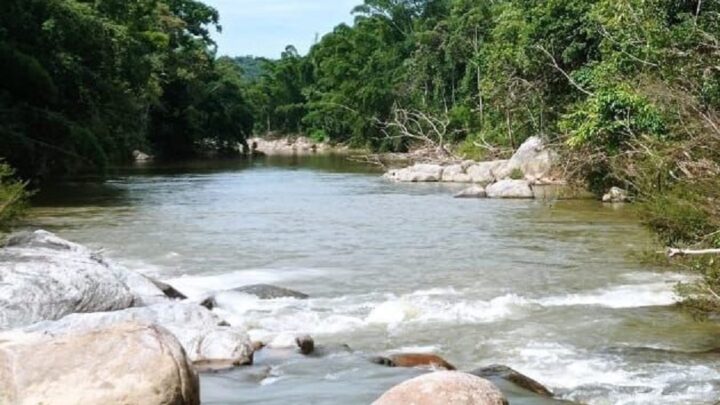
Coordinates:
(547, 288)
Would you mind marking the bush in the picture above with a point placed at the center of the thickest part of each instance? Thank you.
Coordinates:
(13, 196)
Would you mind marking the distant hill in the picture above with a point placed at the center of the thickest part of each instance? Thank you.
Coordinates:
(252, 66)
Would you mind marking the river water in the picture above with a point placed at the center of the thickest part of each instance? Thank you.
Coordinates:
(548, 288)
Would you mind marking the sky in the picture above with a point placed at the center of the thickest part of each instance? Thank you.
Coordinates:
(266, 27)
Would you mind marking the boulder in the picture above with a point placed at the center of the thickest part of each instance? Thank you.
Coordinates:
(413, 360)
(419, 173)
(455, 174)
(533, 160)
(506, 373)
(269, 292)
(45, 277)
(510, 189)
(472, 192)
(122, 364)
(485, 172)
(204, 335)
(444, 388)
(616, 195)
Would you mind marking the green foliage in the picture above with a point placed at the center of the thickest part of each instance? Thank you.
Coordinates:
(13, 196)
(517, 174)
(611, 119)
(86, 83)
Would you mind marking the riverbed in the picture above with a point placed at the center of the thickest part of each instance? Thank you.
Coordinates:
(550, 288)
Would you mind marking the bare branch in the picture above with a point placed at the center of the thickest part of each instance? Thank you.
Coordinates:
(671, 252)
(567, 76)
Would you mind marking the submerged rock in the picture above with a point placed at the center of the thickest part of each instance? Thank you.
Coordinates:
(413, 360)
(508, 374)
(269, 292)
(306, 344)
(121, 364)
(199, 331)
(616, 195)
(444, 388)
(44, 277)
(510, 189)
(472, 192)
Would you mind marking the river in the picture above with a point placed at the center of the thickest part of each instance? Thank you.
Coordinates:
(549, 288)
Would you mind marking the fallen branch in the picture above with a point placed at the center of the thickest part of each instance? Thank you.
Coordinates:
(671, 252)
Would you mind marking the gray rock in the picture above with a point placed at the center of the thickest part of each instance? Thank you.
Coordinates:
(485, 172)
(455, 174)
(510, 189)
(168, 290)
(616, 195)
(419, 173)
(472, 192)
(444, 388)
(533, 159)
(122, 364)
(45, 277)
(203, 335)
(269, 292)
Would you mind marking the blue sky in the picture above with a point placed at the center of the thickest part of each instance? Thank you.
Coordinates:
(265, 27)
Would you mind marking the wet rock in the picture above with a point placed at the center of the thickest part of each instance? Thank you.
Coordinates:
(519, 189)
(168, 290)
(419, 173)
(306, 344)
(269, 292)
(126, 363)
(413, 360)
(44, 277)
(616, 195)
(508, 374)
(472, 192)
(485, 172)
(444, 388)
(198, 330)
(209, 303)
(290, 146)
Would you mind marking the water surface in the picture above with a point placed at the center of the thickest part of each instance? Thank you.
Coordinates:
(549, 288)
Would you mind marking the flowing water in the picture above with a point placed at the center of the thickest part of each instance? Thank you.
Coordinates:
(550, 289)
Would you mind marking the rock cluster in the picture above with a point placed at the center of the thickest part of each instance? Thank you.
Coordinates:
(289, 146)
(532, 164)
(75, 329)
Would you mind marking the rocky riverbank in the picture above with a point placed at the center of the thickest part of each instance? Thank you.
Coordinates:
(292, 146)
(75, 328)
(532, 172)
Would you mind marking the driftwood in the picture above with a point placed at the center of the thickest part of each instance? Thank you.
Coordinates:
(671, 252)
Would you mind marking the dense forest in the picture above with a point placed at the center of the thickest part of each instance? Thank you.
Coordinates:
(628, 90)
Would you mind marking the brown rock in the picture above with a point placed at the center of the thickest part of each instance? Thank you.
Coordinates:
(508, 374)
(413, 360)
(306, 344)
(444, 388)
(123, 364)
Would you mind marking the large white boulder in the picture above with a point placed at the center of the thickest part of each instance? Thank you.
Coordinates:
(444, 388)
(533, 159)
(122, 364)
(485, 172)
(204, 335)
(510, 189)
(45, 277)
(455, 174)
